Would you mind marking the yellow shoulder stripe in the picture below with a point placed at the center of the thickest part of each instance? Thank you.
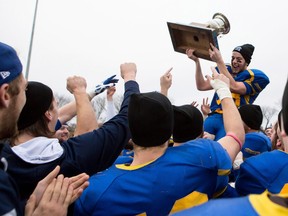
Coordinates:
(192, 199)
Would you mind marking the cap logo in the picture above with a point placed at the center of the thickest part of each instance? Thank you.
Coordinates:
(238, 48)
(4, 74)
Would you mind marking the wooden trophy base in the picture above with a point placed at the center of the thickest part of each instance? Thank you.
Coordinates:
(196, 36)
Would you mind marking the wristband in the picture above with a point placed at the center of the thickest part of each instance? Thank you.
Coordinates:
(236, 139)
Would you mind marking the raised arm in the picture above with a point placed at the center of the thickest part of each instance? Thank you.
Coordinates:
(97, 150)
(166, 82)
(67, 112)
(201, 83)
(128, 71)
(235, 134)
(235, 87)
(205, 107)
(86, 117)
(111, 110)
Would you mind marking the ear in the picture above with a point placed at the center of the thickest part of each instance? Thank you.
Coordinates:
(48, 115)
(5, 97)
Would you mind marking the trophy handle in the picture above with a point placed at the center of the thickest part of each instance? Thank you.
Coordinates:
(220, 23)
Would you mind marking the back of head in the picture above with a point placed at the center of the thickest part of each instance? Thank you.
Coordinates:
(38, 100)
(150, 117)
(10, 65)
(188, 123)
(251, 115)
(246, 51)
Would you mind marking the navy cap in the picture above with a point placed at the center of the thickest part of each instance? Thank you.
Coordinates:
(10, 65)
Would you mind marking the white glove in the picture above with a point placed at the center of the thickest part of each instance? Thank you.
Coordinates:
(221, 88)
(99, 89)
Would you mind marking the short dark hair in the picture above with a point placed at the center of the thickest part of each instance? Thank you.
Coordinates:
(14, 86)
(39, 128)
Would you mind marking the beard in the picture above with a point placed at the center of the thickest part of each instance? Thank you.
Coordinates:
(9, 120)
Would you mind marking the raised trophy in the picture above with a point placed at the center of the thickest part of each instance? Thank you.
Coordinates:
(198, 36)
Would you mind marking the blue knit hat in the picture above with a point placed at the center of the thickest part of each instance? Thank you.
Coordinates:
(246, 51)
(10, 65)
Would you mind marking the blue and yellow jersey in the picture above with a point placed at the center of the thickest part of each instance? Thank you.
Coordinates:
(267, 171)
(254, 80)
(184, 176)
(253, 205)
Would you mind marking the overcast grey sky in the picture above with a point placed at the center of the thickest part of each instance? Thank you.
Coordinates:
(92, 38)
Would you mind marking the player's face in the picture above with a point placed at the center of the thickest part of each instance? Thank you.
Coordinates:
(11, 114)
(268, 132)
(63, 133)
(238, 63)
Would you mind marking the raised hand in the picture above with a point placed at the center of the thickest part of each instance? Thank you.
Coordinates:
(220, 83)
(205, 107)
(166, 81)
(110, 92)
(128, 71)
(215, 54)
(76, 84)
(190, 54)
(194, 103)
